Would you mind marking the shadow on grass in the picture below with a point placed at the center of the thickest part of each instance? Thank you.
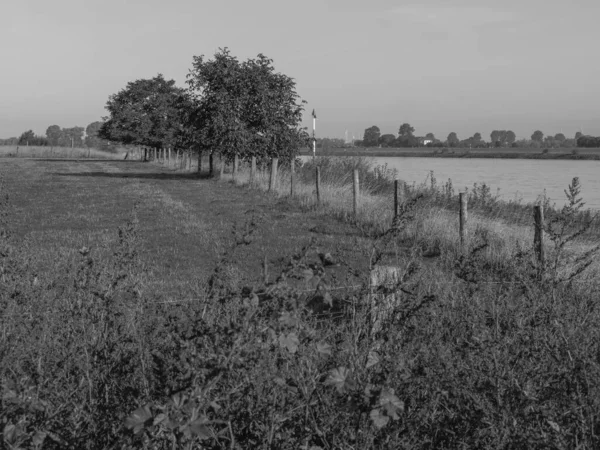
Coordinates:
(141, 175)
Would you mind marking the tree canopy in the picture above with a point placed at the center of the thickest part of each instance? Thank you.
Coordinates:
(371, 136)
(148, 112)
(245, 108)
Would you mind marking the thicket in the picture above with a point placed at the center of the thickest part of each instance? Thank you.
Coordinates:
(502, 356)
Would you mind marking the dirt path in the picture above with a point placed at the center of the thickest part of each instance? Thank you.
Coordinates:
(186, 223)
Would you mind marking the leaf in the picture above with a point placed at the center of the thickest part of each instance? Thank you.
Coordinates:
(199, 428)
(324, 348)
(289, 341)
(372, 359)
(339, 378)
(10, 433)
(390, 402)
(379, 420)
(38, 438)
(137, 420)
(159, 419)
(287, 319)
(554, 425)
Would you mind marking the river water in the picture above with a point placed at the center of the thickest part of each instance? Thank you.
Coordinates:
(516, 178)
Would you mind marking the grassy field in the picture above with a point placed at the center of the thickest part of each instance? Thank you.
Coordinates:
(511, 153)
(15, 151)
(144, 307)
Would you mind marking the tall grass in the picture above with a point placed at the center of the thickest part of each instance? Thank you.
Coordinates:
(434, 226)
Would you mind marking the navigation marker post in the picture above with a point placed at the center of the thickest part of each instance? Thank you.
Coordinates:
(313, 136)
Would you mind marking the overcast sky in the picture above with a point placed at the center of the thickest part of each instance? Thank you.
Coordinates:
(442, 65)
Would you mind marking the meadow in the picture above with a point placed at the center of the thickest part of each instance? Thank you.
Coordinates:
(26, 151)
(146, 307)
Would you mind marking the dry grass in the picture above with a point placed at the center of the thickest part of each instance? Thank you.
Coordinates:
(434, 226)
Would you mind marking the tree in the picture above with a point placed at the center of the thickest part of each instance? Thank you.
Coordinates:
(245, 108)
(453, 139)
(27, 138)
(148, 112)
(511, 137)
(430, 136)
(560, 137)
(53, 134)
(387, 140)
(578, 135)
(92, 139)
(73, 137)
(371, 136)
(537, 136)
(477, 137)
(405, 130)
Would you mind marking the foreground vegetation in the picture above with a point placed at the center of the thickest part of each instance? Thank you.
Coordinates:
(481, 349)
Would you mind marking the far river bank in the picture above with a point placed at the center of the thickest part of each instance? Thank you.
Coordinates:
(509, 153)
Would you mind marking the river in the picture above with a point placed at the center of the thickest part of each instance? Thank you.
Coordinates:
(515, 178)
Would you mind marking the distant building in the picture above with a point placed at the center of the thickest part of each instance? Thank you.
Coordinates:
(423, 141)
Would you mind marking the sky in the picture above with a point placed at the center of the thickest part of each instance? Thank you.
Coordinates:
(443, 66)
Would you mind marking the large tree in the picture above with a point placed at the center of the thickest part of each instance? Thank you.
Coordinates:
(245, 108)
(53, 134)
(405, 130)
(147, 112)
(453, 139)
(537, 136)
(387, 140)
(511, 137)
(371, 136)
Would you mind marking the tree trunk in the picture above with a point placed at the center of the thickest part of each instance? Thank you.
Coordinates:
(211, 164)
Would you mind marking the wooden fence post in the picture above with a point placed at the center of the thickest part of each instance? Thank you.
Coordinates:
(538, 237)
(292, 177)
(355, 190)
(252, 169)
(318, 186)
(235, 166)
(462, 197)
(273, 178)
(398, 198)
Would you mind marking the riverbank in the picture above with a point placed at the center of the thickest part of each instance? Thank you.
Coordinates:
(517, 153)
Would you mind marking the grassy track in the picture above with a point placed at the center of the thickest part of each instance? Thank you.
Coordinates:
(186, 222)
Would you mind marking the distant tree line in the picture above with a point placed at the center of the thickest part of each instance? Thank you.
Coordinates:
(62, 137)
(498, 139)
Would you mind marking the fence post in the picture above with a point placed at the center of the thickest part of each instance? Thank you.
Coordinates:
(538, 237)
(273, 178)
(397, 198)
(318, 187)
(292, 177)
(462, 197)
(235, 166)
(252, 170)
(355, 188)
